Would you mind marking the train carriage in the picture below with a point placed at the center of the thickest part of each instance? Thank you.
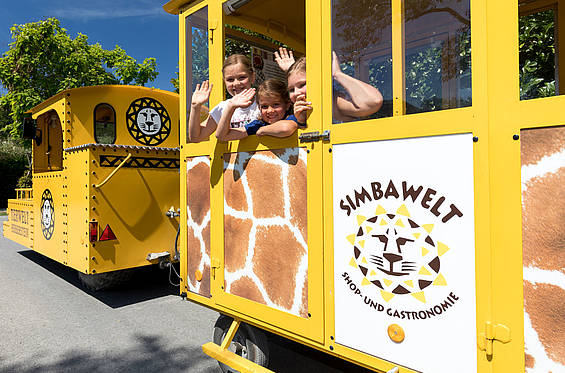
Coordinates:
(425, 237)
(105, 181)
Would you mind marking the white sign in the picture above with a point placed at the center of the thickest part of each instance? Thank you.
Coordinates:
(404, 251)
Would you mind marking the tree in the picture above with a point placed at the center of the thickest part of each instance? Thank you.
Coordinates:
(44, 60)
(537, 55)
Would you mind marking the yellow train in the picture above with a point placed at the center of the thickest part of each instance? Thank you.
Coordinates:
(105, 193)
(426, 237)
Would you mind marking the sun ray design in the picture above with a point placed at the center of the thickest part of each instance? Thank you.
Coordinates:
(440, 280)
(420, 296)
(428, 227)
(403, 210)
(396, 254)
(360, 219)
(148, 122)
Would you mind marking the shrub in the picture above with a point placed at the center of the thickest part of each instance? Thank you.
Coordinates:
(14, 162)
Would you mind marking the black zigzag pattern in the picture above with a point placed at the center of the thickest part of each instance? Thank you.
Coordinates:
(139, 162)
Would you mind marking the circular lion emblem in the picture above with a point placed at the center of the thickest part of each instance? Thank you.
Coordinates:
(397, 255)
(148, 121)
(47, 214)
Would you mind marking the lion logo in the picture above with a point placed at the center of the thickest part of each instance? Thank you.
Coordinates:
(47, 214)
(148, 121)
(396, 254)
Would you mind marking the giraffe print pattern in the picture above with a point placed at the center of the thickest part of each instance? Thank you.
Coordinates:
(543, 237)
(198, 224)
(265, 228)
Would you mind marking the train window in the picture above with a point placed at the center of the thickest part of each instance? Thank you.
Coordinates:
(104, 124)
(437, 55)
(48, 152)
(197, 63)
(437, 62)
(537, 37)
(361, 59)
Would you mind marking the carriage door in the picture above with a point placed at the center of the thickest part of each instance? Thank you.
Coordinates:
(49, 197)
(253, 206)
(402, 188)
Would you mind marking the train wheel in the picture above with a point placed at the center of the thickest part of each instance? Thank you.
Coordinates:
(106, 280)
(249, 342)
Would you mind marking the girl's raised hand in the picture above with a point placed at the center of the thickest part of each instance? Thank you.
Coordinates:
(284, 59)
(201, 93)
(302, 108)
(244, 98)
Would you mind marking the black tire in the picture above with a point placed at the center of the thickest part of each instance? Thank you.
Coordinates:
(249, 342)
(106, 280)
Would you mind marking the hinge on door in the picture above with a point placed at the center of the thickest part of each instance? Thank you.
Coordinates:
(493, 332)
(314, 136)
(214, 264)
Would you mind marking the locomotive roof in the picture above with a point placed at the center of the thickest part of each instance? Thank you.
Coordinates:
(97, 90)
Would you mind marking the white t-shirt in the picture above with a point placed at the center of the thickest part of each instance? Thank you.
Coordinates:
(240, 117)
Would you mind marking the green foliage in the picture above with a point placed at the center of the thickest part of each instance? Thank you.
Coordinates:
(537, 55)
(44, 60)
(14, 161)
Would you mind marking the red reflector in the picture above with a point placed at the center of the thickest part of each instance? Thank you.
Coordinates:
(93, 229)
(107, 234)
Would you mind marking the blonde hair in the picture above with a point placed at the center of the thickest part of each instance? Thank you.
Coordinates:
(273, 88)
(298, 66)
(234, 59)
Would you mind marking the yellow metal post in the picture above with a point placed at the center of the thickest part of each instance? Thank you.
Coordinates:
(398, 58)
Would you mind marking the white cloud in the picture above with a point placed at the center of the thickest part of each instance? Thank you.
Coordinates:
(109, 9)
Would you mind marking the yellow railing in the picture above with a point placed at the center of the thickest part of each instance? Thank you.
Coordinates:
(24, 193)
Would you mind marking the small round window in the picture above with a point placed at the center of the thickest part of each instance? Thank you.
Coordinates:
(104, 124)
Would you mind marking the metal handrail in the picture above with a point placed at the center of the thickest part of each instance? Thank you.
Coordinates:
(113, 172)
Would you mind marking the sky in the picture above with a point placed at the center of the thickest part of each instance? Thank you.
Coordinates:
(141, 27)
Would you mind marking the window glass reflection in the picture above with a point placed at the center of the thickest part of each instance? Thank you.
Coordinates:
(437, 55)
(538, 71)
(362, 64)
(104, 124)
(197, 56)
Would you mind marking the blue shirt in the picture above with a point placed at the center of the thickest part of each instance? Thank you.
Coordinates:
(253, 127)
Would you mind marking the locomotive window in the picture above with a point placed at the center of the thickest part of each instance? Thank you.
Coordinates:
(438, 55)
(538, 57)
(104, 124)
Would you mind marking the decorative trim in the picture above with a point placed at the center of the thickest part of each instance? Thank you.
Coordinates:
(139, 162)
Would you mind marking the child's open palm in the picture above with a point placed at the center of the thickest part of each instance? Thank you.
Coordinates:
(244, 98)
(202, 93)
(284, 58)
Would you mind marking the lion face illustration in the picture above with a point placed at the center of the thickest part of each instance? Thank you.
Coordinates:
(396, 254)
(46, 214)
(148, 121)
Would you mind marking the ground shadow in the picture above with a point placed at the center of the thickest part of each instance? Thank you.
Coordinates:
(311, 360)
(147, 283)
(148, 354)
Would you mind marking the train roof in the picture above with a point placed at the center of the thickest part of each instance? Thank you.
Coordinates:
(286, 24)
(98, 90)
